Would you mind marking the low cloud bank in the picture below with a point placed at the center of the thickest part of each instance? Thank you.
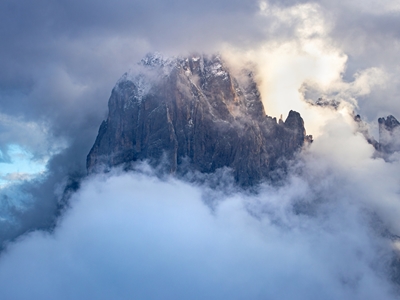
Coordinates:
(61, 63)
(325, 234)
(330, 232)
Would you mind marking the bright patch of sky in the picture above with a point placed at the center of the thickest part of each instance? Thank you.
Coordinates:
(21, 165)
(307, 63)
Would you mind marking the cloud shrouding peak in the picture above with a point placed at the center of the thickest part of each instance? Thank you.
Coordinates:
(321, 236)
(134, 236)
(330, 231)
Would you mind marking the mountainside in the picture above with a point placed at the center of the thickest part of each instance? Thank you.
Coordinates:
(193, 114)
(389, 134)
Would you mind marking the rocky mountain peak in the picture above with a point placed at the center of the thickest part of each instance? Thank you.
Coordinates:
(153, 59)
(390, 123)
(389, 134)
(192, 114)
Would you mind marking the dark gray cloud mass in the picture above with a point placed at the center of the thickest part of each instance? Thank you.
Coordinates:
(323, 235)
(60, 60)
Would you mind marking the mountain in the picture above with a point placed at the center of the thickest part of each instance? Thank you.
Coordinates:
(389, 135)
(193, 114)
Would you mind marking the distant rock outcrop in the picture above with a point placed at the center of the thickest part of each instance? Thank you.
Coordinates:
(192, 113)
(389, 134)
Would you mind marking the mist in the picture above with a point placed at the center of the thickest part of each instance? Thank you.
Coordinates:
(329, 231)
(134, 235)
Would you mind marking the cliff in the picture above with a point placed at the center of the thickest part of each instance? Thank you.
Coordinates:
(193, 114)
(389, 134)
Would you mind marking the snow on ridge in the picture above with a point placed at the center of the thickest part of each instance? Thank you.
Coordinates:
(216, 69)
(154, 65)
(153, 59)
(141, 87)
(156, 59)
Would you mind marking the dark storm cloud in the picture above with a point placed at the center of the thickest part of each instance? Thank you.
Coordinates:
(90, 44)
(59, 61)
(41, 31)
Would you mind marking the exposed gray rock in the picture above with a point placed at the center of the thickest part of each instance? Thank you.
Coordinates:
(389, 134)
(363, 128)
(191, 113)
(326, 103)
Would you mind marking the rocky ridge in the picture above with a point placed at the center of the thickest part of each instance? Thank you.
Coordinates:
(191, 113)
(389, 135)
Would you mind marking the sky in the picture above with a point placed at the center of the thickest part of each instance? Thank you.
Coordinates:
(59, 62)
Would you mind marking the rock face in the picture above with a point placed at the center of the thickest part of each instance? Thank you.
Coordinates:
(192, 114)
(389, 134)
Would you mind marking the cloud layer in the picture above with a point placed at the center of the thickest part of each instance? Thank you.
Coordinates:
(324, 235)
(134, 236)
(330, 231)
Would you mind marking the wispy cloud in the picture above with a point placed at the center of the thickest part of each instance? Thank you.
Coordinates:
(131, 234)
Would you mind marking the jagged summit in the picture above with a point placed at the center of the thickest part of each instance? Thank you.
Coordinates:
(389, 134)
(191, 113)
(389, 123)
(154, 59)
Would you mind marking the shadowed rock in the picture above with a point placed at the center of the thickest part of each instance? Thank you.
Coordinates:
(389, 134)
(192, 114)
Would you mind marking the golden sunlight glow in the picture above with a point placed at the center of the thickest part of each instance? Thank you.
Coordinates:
(311, 60)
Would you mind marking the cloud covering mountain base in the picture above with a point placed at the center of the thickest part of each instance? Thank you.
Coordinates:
(136, 236)
(329, 232)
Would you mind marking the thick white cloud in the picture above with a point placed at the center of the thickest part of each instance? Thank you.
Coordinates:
(131, 235)
(301, 60)
(320, 236)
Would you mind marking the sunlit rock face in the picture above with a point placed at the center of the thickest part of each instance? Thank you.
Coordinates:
(192, 114)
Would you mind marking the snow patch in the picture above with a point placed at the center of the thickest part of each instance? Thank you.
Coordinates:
(141, 87)
(154, 59)
(157, 61)
(216, 70)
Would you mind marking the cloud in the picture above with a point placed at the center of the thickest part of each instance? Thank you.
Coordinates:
(126, 234)
(67, 57)
(131, 235)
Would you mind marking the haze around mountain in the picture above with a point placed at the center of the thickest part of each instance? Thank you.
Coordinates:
(330, 231)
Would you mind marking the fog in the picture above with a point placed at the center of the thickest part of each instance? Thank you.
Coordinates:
(329, 231)
(134, 235)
